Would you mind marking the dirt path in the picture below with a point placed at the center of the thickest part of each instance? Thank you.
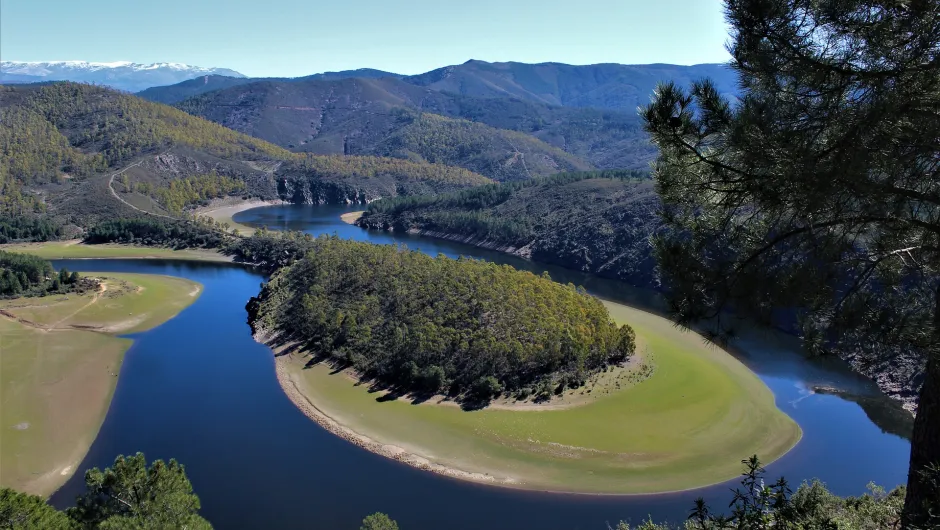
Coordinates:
(94, 299)
(118, 197)
(58, 325)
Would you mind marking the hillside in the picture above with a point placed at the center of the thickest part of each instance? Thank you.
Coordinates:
(606, 86)
(376, 117)
(127, 76)
(314, 179)
(58, 140)
(170, 94)
(592, 222)
(60, 144)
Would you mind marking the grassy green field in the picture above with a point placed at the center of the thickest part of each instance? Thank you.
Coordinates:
(687, 425)
(59, 360)
(76, 250)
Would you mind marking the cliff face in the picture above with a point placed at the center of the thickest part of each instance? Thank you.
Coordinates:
(311, 191)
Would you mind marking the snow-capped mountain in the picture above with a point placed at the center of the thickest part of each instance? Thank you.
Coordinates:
(123, 75)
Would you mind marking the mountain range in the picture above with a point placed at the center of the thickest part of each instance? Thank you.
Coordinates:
(127, 76)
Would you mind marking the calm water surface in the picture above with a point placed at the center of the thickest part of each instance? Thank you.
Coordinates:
(200, 390)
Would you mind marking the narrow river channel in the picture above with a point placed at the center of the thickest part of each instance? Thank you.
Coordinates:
(201, 390)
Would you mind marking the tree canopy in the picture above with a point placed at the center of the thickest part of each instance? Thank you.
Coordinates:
(436, 325)
(818, 192)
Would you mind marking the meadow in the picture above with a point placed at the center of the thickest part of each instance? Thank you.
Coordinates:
(687, 424)
(60, 357)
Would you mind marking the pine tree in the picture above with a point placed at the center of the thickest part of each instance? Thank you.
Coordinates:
(818, 190)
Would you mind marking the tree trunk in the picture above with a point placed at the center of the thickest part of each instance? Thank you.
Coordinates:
(925, 442)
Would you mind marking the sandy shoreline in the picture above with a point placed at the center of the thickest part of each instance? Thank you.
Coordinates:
(289, 385)
(225, 212)
(351, 217)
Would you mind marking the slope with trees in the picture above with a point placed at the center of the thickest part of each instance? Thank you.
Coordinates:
(436, 325)
(361, 179)
(597, 222)
(358, 116)
(605, 86)
(820, 191)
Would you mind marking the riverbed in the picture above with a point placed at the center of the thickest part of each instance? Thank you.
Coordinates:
(201, 390)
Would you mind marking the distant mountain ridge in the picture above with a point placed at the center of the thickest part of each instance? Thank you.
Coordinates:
(603, 86)
(122, 75)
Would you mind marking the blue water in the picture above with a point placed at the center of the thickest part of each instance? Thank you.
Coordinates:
(199, 389)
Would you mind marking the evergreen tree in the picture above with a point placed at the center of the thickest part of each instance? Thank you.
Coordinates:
(132, 495)
(818, 190)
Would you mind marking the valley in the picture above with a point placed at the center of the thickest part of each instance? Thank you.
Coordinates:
(488, 294)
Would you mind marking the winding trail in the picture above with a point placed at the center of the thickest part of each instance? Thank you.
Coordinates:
(118, 197)
(58, 325)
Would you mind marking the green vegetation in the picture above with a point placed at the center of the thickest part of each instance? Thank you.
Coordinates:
(77, 250)
(378, 521)
(128, 496)
(597, 222)
(80, 129)
(178, 194)
(499, 154)
(25, 227)
(21, 511)
(820, 191)
(152, 231)
(360, 179)
(26, 275)
(437, 325)
(678, 416)
(367, 167)
(59, 359)
(270, 250)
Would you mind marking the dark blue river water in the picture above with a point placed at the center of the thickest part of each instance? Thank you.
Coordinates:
(199, 389)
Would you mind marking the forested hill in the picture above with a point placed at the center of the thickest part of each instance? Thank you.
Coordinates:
(171, 94)
(312, 179)
(79, 129)
(596, 222)
(61, 142)
(435, 325)
(385, 117)
(352, 116)
(606, 86)
(57, 135)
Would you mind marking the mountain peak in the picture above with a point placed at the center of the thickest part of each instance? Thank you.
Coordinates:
(123, 75)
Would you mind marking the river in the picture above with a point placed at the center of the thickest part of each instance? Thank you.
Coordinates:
(201, 390)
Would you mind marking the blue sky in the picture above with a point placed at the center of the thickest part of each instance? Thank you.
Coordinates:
(298, 37)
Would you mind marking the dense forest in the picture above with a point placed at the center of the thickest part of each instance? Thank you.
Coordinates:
(596, 222)
(153, 231)
(27, 228)
(435, 325)
(270, 250)
(28, 275)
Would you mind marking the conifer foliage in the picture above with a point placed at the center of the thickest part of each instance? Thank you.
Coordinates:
(438, 325)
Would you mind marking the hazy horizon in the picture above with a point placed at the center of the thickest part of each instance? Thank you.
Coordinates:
(295, 38)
